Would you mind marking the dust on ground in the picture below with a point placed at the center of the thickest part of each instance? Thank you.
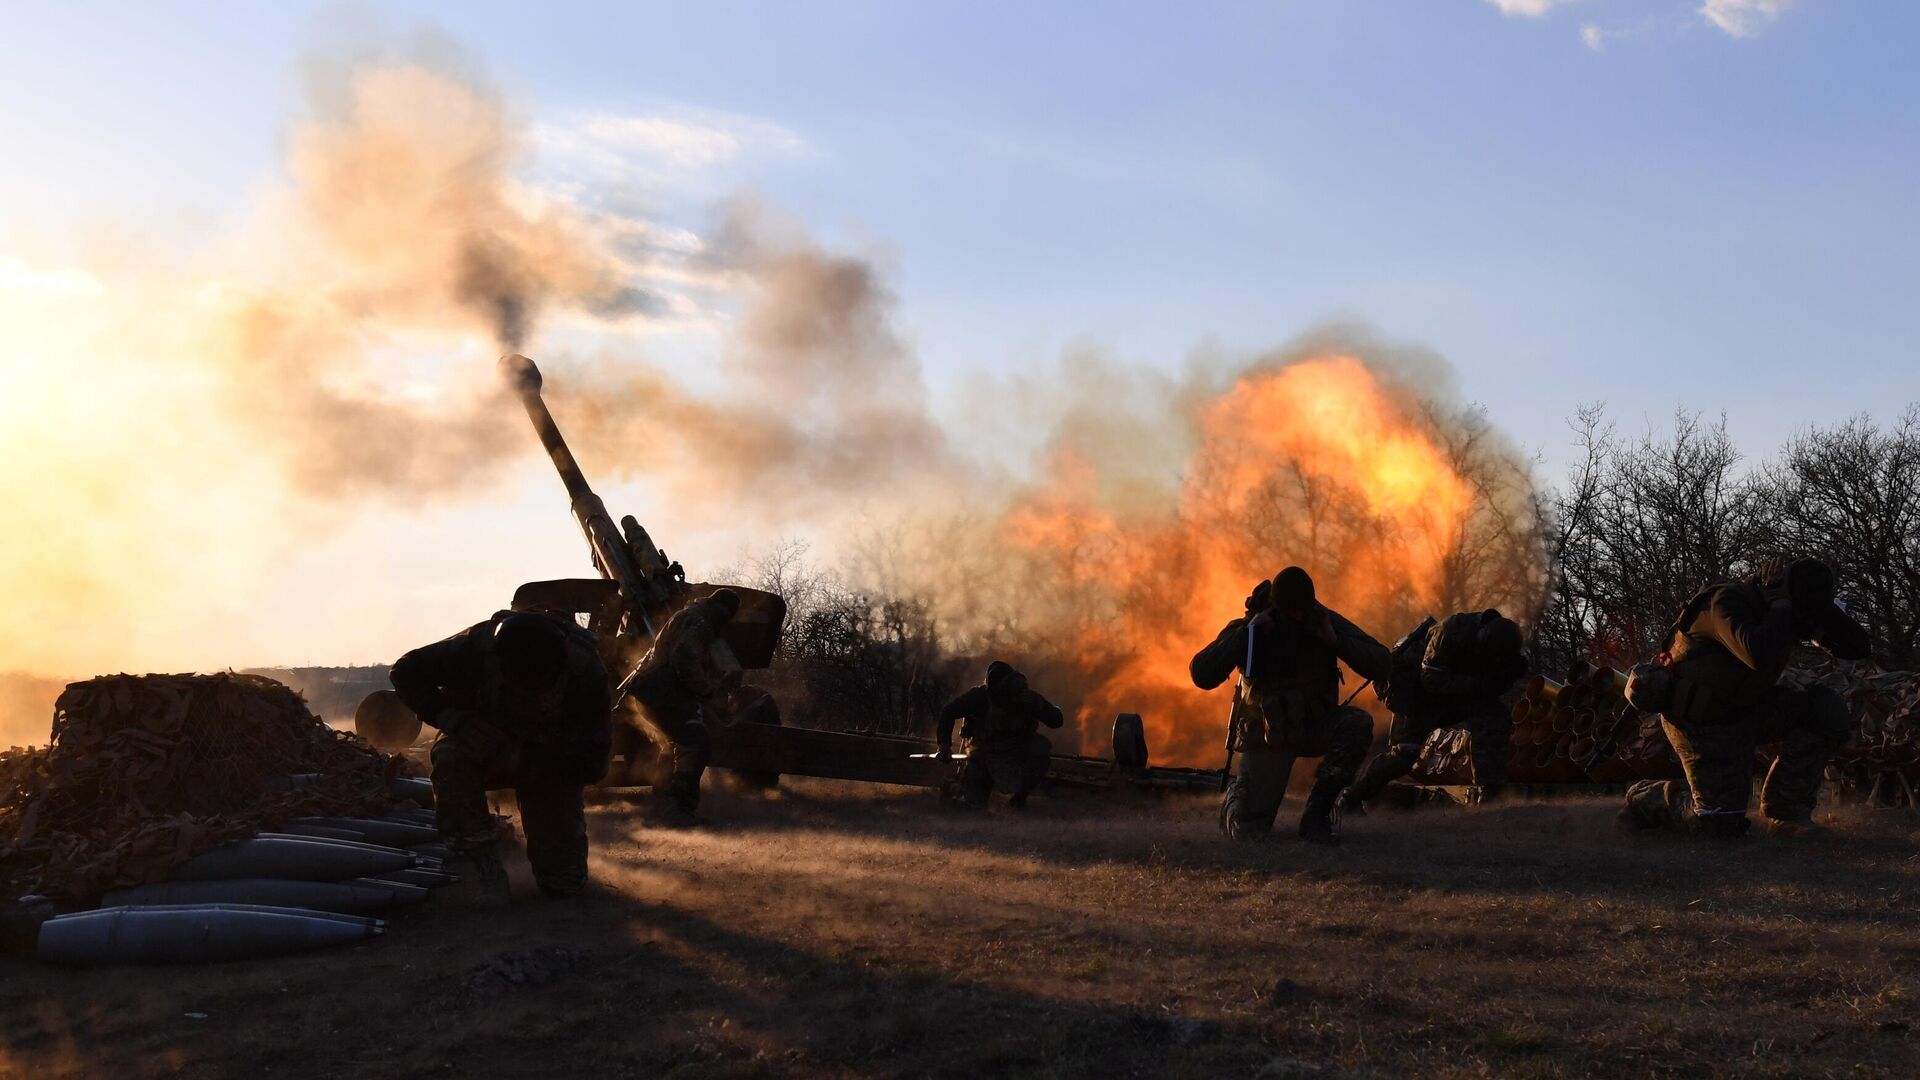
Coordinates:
(847, 932)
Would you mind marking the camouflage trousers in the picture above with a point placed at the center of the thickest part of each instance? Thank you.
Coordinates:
(1718, 758)
(1339, 739)
(1485, 719)
(553, 815)
(682, 736)
(1015, 766)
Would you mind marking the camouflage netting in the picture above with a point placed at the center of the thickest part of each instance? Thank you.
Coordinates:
(1881, 763)
(145, 771)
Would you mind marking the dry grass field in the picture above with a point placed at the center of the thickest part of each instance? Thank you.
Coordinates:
(840, 932)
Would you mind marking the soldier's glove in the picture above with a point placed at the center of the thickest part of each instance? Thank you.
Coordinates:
(1260, 598)
(945, 753)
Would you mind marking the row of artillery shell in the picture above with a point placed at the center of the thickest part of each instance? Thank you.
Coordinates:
(195, 933)
(319, 884)
(1584, 722)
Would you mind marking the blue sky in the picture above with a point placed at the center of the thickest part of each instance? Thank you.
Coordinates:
(1681, 218)
(1656, 203)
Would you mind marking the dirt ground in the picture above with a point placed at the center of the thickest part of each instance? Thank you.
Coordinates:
(839, 932)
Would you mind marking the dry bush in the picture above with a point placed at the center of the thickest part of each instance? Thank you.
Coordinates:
(849, 661)
(1641, 524)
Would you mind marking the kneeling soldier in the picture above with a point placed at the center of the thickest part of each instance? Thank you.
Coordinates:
(1450, 676)
(1288, 650)
(1724, 658)
(1001, 720)
(522, 701)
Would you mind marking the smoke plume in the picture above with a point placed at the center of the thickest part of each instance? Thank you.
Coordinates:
(174, 432)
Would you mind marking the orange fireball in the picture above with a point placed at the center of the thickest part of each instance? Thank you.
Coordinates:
(1322, 463)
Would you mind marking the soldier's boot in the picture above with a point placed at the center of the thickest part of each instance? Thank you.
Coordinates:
(1318, 823)
(483, 876)
(1018, 800)
(676, 803)
(1804, 828)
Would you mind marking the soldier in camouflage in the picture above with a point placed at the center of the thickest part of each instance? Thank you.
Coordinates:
(680, 685)
(1724, 658)
(1449, 676)
(1000, 722)
(1288, 650)
(522, 701)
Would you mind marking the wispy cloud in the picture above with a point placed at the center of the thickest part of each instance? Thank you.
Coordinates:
(1529, 8)
(1743, 18)
(1593, 37)
(660, 146)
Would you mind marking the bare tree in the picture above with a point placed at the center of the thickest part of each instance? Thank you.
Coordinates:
(1851, 494)
(1643, 526)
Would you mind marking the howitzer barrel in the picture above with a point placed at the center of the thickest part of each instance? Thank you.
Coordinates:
(616, 558)
(524, 378)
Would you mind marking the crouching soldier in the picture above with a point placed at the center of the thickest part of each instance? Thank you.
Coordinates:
(521, 701)
(681, 685)
(1288, 650)
(1000, 722)
(1719, 697)
(1450, 676)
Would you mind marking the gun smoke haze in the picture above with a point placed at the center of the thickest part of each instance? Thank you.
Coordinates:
(175, 432)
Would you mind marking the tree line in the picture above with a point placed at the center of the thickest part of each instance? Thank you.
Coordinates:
(1640, 523)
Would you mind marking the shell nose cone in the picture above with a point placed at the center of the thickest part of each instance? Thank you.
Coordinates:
(520, 373)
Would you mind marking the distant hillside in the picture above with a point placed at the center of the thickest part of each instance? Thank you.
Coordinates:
(26, 708)
(331, 692)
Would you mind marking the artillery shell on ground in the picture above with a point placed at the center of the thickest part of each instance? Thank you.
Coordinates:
(419, 875)
(296, 858)
(393, 833)
(193, 934)
(342, 897)
(403, 892)
(412, 787)
(322, 832)
(363, 921)
(358, 845)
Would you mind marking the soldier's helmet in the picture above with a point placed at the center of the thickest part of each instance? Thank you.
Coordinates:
(725, 602)
(532, 649)
(1500, 636)
(1003, 681)
(1810, 585)
(1292, 590)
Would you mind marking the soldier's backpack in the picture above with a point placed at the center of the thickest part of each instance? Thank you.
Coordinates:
(1652, 687)
(1403, 684)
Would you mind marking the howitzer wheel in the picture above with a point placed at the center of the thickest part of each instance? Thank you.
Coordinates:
(385, 721)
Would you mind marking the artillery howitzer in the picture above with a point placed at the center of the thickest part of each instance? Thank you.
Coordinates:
(639, 589)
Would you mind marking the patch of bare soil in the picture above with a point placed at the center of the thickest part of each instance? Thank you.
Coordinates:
(837, 932)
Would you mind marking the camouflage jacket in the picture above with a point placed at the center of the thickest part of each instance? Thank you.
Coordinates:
(569, 725)
(1293, 657)
(679, 672)
(1457, 665)
(1735, 641)
(984, 721)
